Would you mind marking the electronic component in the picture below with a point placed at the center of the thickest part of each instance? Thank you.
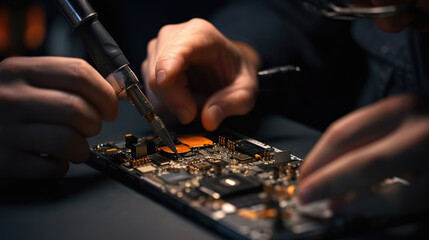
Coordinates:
(248, 200)
(146, 169)
(139, 161)
(181, 149)
(242, 157)
(282, 157)
(201, 166)
(130, 140)
(159, 159)
(249, 148)
(227, 185)
(195, 141)
(175, 177)
(139, 149)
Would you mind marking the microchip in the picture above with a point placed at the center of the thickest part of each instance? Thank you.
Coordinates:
(242, 157)
(202, 166)
(173, 178)
(249, 148)
(226, 160)
(159, 159)
(139, 149)
(146, 169)
(282, 157)
(247, 200)
(228, 185)
(130, 140)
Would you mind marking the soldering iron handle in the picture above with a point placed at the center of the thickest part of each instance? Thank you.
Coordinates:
(102, 48)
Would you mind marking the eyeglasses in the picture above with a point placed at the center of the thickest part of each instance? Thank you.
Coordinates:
(344, 10)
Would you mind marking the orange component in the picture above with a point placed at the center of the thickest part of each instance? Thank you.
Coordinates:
(128, 135)
(291, 190)
(35, 32)
(258, 157)
(150, 138)
(181, 148)
(112, 150)
(195, 141)
(261, 214)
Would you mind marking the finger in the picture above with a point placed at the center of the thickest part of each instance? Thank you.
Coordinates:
(236, 99)
(66, 74)
(175, 95)
(21, 166)
(50, 106)
(170, 64)
(370, 164)
(150, 61)
(405, 200)
(201, 49)
(56, 141)
(355, 130)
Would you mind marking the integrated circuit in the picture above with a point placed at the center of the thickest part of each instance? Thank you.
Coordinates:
(175, 177)
(249, 148)
(159, 159)
(228, 185)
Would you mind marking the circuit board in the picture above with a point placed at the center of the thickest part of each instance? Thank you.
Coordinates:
(242, 188)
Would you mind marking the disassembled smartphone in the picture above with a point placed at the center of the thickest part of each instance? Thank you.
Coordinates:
(238, 186)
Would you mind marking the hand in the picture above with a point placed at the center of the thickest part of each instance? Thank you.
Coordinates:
(386, 139)
(398, 23)
(49, 106)
(192, 66)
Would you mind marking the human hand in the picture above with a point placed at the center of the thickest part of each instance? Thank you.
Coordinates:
(397, 23)
(192, 66)
(386, 139)
(49, 106)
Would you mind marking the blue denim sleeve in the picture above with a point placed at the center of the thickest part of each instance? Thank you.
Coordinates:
(397, 63)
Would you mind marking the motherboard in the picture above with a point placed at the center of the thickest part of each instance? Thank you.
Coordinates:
(235, 185)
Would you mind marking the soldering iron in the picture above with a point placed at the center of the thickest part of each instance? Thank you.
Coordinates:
(111, 62)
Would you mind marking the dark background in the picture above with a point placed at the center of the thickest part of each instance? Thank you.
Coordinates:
(131, 23)
(315, 97)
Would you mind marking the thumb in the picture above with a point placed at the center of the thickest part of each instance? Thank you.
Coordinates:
(227, 102)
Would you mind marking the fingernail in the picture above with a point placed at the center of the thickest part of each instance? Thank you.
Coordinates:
(184, 115)
(215, 114)
(161, 76)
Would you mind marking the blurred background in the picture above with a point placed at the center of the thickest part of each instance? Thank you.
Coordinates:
(316, 97)
(36, 28)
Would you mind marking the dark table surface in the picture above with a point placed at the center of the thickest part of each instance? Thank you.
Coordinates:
(89, 205)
